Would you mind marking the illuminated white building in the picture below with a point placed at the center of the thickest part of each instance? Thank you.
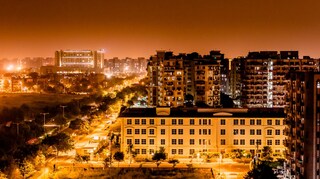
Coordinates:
(77, 61)
(188, 132)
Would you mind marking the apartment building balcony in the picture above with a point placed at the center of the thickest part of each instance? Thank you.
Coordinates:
(200, 82)
(200, 92)
(169, 93)
(200, 72)
(169, 83)
(169, 68)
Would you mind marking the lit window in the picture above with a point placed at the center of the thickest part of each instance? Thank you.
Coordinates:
(174, 131)
(223, 142)
(174, 121)
(143, 151)
(137, 151)
(222, 132)
(191, 151)
(258, 121)
(251, 131)
(235, 142)
(151, 141)
(242, 142)
(144, 141)
(258, 131)
(180, 141)
(163, 142)
(174, 141)
(136, 141)
(174, 151)
(258, 142)
(191, 141)
(129, 141)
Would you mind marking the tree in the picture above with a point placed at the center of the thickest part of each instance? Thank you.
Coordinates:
(118, 156)
(159, 155)
(130, 151)
(189, 100)
(262, 171)
(107, 162)
(3, 176)
(174, 162)
(267, 153)
(26, 168)
(62, 141)
(226, 101)
(39, 160)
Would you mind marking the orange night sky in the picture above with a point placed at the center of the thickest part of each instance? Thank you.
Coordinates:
(133, 28)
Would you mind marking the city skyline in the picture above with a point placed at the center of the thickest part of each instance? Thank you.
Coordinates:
(138, 28)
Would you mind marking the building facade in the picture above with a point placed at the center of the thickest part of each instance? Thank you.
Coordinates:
(173, 77)
(190, 132)
(79, 61)
(303, 124)
(263, 77)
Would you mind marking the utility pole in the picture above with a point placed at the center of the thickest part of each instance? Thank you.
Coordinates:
(17, 123)
(62, 110)
(44, 118)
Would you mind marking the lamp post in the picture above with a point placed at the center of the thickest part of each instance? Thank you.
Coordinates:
(44, 118)
(62, 110)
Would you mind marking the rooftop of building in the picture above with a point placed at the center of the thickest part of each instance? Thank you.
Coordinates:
(203, 112)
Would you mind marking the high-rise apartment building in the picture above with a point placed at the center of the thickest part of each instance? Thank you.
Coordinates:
(303, 124)
(173, 78)
(263, 76)
(191, 132)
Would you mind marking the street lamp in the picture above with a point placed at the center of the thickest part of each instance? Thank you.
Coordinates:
(62, 110)
(44, 118)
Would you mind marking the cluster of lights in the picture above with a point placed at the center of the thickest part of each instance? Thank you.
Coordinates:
(12, 68)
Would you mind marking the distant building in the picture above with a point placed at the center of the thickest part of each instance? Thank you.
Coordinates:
(260, 77)
(174, 80)
(125, 66)
(76, 61)
(191, 132)
(303, 124)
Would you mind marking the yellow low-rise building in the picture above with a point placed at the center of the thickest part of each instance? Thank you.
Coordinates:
(188, 132)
